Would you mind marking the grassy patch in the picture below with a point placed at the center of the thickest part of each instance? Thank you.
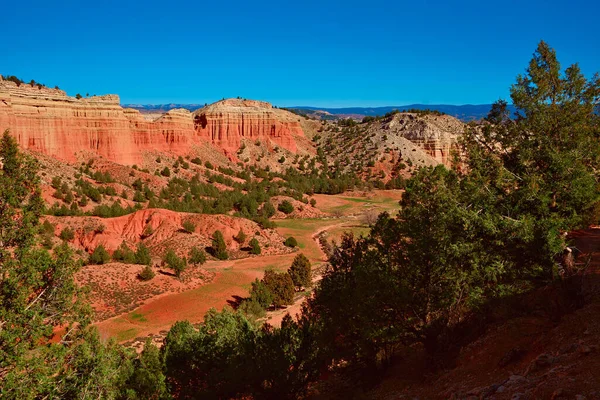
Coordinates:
(137, 317)
(127, 334)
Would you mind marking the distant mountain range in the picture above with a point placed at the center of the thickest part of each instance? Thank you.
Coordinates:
(162, 108)
(467, 112)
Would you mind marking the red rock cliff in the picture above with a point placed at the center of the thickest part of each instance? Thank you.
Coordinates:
(226, 122)
(48, 121)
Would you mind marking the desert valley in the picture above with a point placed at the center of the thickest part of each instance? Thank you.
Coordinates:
(328, 200)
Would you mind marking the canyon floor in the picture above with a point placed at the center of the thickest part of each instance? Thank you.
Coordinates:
(230, 280)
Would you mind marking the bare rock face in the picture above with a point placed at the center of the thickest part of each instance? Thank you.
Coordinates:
(435, 134)
(50, 122)
(226, 122)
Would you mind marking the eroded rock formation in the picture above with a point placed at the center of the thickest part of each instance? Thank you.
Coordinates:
(48, 121)
(435, 134)
(226, 122)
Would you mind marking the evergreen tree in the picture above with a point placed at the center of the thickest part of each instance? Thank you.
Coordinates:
(261, 294)
(197, 256)
(177, 264)
(254, 246)
(142, 254)
(301, 272)
(99, 256)
(281, 287)
(219, 247)
(147, 380)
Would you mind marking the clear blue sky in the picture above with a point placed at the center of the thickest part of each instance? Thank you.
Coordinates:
(322, 53)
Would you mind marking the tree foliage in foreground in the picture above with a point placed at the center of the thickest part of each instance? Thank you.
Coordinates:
(229, 357)
(491, 228)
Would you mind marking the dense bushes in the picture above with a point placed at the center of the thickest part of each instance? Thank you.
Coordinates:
(124, 254)
(228, 357)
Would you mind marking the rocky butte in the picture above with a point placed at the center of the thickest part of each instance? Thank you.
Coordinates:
(226, 122)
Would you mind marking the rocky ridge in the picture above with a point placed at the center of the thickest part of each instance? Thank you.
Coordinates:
(50, 122)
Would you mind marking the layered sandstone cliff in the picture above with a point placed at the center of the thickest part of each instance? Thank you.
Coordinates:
(227, 122)
(48, 121)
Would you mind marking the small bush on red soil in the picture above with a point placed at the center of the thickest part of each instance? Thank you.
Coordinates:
(124, 254)
(291, 242)
(99, 256)
(285, 207)
(254, 247)
(146, 273)
(197, 256)
(241, 237)
(67, 234)
(189, 226)
(142, 255)
(219, 247)
(281, 287)
(177, 264)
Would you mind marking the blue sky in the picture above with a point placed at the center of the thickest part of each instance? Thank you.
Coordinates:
(321, 53)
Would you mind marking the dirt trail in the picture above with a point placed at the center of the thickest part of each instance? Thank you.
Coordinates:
(232, 280)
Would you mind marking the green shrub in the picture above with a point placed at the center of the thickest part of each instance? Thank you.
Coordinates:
(177, 264)
(189, 226)
(254, 246)
(166, 172)
(124, 254)
(260, 294)
(291, 242)
(99, 256)
(67, 234)
(146, 274)
(281, 287)
(142, 255)
(47, 227)
(197, 256)
(285, 207)
(300, 271)
(240, 237)
(47, 241)
(219, 247)
(148, 231)
(252, 308)
(139, 197)
(267, 210)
